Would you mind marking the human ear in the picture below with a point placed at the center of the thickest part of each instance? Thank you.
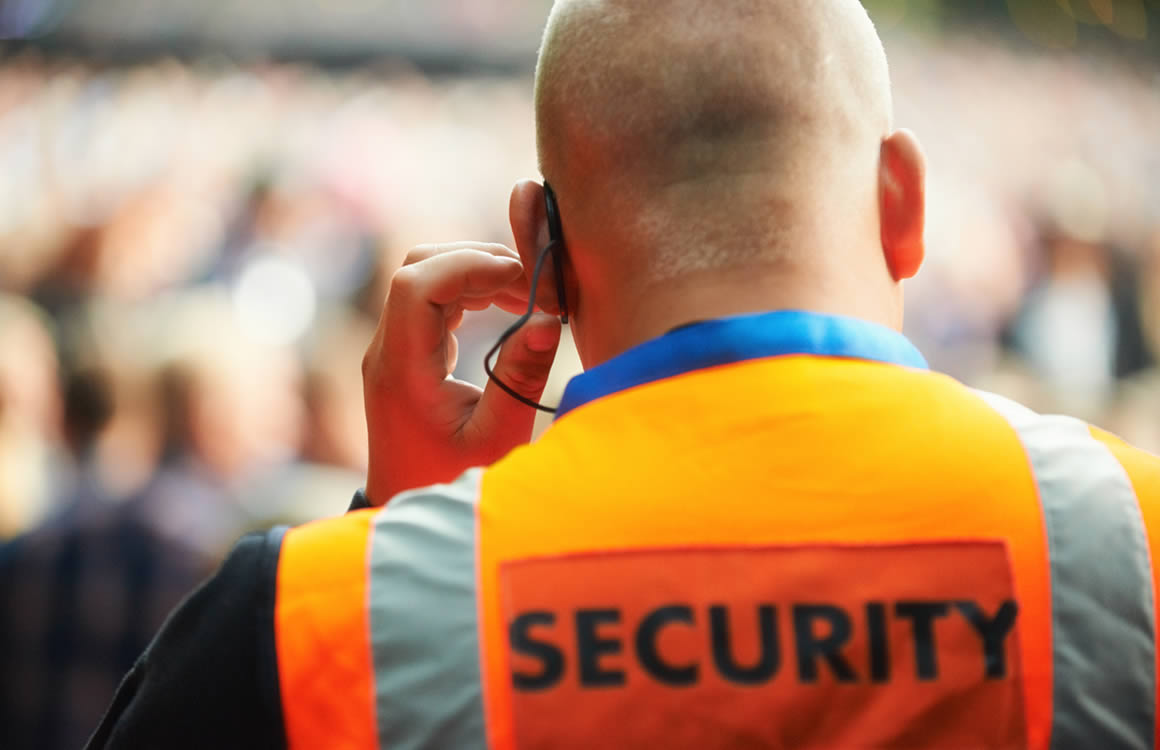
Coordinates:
(529, 220)
(902, 203)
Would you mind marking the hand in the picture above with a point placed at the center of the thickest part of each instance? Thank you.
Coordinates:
(424, 426)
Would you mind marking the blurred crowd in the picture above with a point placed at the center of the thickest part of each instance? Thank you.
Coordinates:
(209, 244)
(193, 256)
(1043, 274)
(192, 261)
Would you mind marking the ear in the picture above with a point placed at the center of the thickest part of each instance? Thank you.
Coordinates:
(529, 219)
(902, 203)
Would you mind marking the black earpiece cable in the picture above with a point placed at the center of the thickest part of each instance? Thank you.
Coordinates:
(550, 249)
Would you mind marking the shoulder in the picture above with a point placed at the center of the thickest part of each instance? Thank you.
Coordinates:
(428, 509)
(414, 525)
(1065, 447)
(379, 600)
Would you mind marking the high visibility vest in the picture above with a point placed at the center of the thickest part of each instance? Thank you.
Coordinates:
(777, 530)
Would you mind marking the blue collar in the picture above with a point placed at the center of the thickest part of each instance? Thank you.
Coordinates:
(747, 337)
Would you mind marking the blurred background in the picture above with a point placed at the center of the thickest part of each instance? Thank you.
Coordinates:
(200, 204)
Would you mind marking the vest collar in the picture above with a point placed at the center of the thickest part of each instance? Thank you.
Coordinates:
(730, 340)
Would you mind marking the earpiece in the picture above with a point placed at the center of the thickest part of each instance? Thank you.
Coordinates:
(556, 246)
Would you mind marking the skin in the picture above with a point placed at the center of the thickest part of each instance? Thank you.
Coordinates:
(709, 160)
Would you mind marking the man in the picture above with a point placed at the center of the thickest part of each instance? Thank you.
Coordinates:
(746, 528)
(82, 593)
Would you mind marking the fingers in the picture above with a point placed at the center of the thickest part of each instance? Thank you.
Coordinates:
(422, 252)
(506, 301)
(524, 363)
(464, 274)
(514, 299)
(423, 426)
(414, 328)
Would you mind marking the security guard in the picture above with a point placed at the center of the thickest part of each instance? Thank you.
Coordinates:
(758, 521)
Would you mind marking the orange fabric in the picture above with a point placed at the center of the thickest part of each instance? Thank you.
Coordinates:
(700, 647)
(785, 451)
(322, 633)
(1143, 471)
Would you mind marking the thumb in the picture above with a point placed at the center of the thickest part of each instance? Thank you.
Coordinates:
(524, 363)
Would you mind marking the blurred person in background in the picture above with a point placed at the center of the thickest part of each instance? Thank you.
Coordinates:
(335, 419)
(233, 416)
(82, 593)
(29, 414)
(758, 520)
(332, 455)
(1081, 328)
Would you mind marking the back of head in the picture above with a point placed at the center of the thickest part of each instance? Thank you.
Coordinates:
(695, 126)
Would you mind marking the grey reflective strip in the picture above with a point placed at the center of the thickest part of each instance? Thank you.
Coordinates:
(424, 634)
(1103, 647)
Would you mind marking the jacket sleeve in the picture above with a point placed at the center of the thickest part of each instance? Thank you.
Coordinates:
(210, 677)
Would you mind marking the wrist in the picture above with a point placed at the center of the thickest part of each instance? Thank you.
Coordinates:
(375, 494)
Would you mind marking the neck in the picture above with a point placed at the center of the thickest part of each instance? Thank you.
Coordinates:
(642, 314)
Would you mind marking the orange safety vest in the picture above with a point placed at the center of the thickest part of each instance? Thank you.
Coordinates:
(777, 530)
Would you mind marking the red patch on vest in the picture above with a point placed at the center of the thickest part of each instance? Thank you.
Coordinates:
(810, 646)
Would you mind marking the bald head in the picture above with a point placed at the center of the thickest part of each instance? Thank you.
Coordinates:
(652, 99)
(641, 78)
(717, 158)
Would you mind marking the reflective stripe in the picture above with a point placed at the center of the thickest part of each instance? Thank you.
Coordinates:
(424, 634)
(1103, 649)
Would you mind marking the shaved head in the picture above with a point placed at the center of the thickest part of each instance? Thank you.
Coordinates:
(647, 108)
